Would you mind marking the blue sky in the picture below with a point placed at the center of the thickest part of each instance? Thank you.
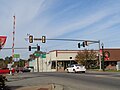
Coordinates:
(71, 19)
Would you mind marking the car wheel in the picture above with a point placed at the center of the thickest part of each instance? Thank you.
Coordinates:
(74, 70)
(83, 71)
(67, 71)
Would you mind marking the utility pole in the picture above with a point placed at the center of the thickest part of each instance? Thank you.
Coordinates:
(37, 64)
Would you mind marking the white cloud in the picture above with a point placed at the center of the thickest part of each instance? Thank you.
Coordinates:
(79, 24)
(37, 17)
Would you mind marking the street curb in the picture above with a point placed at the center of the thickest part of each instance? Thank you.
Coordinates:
(43, 87)
(40, 87)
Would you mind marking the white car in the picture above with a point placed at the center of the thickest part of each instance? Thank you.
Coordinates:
(76, 68)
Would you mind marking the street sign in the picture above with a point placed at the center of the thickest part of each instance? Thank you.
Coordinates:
(16, 55)
(2, 41)
(37, 54)
(43, 55)
(34, 47)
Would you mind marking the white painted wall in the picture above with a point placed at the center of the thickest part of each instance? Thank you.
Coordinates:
(44, 63)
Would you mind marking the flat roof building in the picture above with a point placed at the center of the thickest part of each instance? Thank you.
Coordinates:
(59, 60)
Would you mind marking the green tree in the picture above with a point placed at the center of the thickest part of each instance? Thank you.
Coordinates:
(32, 56)
(8, 60)
(86, 57)
(2, 64)
(21, 63)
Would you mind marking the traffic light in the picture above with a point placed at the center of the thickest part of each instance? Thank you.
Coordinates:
(86, 43)
(30, 39)
(29, 48)
(38, 48)
(83, 44)
(78, 45)
(43, 39)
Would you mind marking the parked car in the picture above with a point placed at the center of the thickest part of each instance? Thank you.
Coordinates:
(6, 70)
(26, 70)
(22, 69)
(76, 68)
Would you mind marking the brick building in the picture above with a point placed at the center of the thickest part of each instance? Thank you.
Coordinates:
(113, 59)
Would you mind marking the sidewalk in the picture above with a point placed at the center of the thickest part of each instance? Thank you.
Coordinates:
(101, 71)
(43, 87)
(40, 87)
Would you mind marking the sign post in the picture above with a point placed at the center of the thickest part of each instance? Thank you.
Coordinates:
(37, 55)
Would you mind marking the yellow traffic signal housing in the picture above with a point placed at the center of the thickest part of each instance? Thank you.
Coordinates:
(30, 39)
(43, 39)
(86, 43)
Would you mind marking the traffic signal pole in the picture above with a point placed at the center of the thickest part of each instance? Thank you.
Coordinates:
(43, 39)
(37, 62)
(103, 57)
(99, 57)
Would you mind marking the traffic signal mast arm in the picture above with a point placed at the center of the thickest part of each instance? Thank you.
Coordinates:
(37, 39)
(74, 40)
(68, 40)
(43, 39)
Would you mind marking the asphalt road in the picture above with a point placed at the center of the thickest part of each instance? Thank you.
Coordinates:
(69, 81)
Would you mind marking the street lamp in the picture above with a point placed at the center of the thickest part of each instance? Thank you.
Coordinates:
(103, 56)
